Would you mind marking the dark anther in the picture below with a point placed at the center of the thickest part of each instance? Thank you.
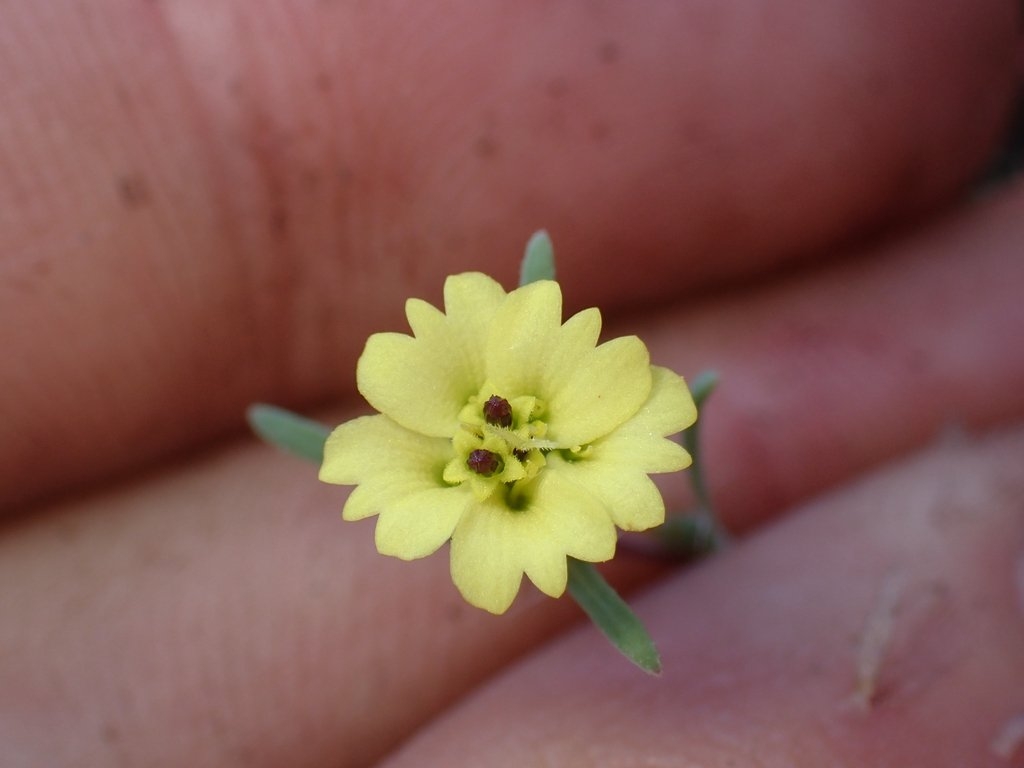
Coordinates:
(497, 411)
(485, 463)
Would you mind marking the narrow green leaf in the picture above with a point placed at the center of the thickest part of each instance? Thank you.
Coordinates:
(289, 431)
(702, 386)
(612, 616)
(539, 259)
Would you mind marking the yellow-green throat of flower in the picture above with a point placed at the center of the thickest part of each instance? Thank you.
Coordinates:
(500, 446)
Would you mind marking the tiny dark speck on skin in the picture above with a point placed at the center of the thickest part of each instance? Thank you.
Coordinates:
(309, 178)
(556, 88)
(279, 221)
(609, 52)
(323, 82)
(599, 131)
(455, 612)
(486, 146)
(133, 189)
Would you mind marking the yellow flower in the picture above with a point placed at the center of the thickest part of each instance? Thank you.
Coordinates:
(517, 437)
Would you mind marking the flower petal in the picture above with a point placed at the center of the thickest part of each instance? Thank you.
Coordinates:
(576, 518)
(470, 301)
(423, 381)
(386, 461)
(616, 468)
(631, 498)
(485, 563)
(529, 347)
(562, 352)
(640, 442)
(589, 390)
(418, 524)
(603, 389)
(669, 409)
(493, 546)
(521, 336)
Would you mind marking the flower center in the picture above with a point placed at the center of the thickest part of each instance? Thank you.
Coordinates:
(500, 445)
(498, 411)
(484, 462)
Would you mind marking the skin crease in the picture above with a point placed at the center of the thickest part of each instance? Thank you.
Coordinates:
(211, 611)
(251, 192)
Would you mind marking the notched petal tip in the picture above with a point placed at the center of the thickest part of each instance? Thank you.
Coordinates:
(672, 400)
(492, 596)
(496, 605)
(424, 318)
(418, 524)
(421, 384)
(527, 316)
(344, 463)
(472, 295)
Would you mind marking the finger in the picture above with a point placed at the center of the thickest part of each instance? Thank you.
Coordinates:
(881, 625)
(233, 591)
(912, 339)
(208, 620)
(209, 204)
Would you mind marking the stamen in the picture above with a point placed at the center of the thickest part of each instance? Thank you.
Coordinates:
(497, 411)
(486, 463)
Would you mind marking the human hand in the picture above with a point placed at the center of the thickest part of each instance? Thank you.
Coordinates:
(207, 205)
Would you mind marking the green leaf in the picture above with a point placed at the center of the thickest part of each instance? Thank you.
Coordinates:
(289, 431)
(612, 616)
(539, 259)
(702, 386)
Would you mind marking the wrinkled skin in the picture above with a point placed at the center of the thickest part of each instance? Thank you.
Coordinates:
(206, 204)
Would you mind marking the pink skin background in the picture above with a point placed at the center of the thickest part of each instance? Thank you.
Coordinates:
(205, 204)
